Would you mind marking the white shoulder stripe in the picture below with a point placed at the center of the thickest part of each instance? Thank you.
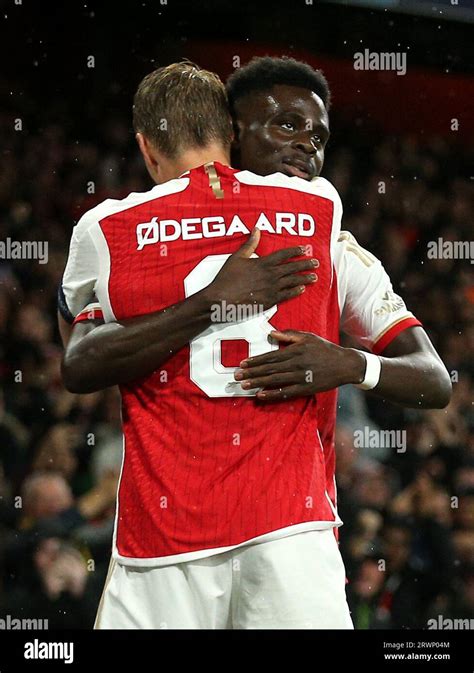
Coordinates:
(102, 284)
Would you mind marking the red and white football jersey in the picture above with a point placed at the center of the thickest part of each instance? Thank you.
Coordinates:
(206, 466)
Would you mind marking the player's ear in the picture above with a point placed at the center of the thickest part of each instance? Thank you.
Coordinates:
(150, 156)
(145, 148)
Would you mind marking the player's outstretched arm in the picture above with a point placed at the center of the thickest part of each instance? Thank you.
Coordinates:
(101, 355)
(411, 372)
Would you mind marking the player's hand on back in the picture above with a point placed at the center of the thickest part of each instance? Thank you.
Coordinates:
(308, 364)
(262, 281)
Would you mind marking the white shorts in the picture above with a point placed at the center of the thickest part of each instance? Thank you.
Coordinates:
(295, 582)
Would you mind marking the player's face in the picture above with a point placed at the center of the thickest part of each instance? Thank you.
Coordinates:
(284, 129)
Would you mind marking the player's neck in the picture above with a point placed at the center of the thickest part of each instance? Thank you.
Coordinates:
(194, 158)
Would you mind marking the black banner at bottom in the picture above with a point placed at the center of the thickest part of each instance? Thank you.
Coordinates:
(154, 650)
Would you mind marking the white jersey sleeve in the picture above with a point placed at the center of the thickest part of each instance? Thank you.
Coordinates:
(371, 311)
(82, 270)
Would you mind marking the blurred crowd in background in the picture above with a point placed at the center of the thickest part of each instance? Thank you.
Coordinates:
(408, 538)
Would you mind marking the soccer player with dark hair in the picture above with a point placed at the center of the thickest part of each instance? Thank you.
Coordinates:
(280, 113)
(262, 93)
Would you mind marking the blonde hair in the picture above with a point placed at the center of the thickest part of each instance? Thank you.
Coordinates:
(181, 106)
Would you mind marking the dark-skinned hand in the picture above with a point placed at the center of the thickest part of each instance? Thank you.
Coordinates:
(308, 364)
(262, 281)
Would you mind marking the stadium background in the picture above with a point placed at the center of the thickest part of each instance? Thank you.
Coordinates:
(60, 453)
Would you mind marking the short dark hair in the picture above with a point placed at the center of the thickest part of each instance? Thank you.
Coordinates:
(264, 72)
(182, 106)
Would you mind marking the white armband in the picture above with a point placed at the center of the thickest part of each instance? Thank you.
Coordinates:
(373, 370)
